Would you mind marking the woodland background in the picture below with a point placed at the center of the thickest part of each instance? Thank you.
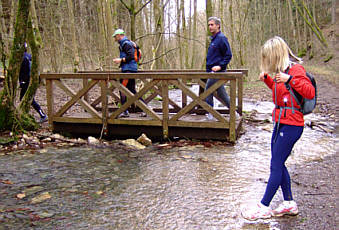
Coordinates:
(77, 34)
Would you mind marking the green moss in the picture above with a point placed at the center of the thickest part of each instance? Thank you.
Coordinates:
(328, 58)
(5, 141)
(302, 53)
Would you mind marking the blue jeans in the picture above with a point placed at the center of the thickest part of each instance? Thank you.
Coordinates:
(220, 91)
(287, 136)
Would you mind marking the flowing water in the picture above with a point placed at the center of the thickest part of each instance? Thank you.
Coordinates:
(188, 187)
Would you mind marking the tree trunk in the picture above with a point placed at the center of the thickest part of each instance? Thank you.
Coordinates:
(35, 42)
(33, 38)
(209, 13)
(101, 34)
(333, 9)
(109, 34)
(194, 43)
(12, 117)
(184, 31)
(158, 29)
(73, 33)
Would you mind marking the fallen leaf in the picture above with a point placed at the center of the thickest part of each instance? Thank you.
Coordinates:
(21, 195)
(99, 192)
(43, 215)
(6, 182)
(187, 157)
(40, 198)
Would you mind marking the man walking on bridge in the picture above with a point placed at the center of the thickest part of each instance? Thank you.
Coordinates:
(218, 56)
(127, 63)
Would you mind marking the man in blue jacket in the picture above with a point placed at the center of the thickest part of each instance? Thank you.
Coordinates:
(24, 79)
(127, 63)
(218, 56)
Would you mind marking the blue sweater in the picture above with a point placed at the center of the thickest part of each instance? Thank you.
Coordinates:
(219, 52)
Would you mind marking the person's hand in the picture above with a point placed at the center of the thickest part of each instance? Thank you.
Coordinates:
(216, 68)
(282, 77)
(262, 76)
(117, 60)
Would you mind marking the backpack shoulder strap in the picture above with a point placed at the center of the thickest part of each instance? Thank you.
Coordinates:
(294, 93)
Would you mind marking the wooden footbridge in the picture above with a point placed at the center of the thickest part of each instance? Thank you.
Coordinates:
(87, 103)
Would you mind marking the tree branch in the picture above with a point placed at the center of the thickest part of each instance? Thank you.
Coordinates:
(168, 51)
(128, 8)
(138, 11)
(153, 34)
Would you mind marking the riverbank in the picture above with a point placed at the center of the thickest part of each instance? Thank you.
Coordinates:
(314, 183)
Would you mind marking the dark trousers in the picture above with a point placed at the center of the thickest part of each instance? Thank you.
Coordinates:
(35, 105)
(287, 136)
(130, 86)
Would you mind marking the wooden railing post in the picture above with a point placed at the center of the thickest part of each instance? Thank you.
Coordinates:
(240, 82)
(165, 109)
(50, 102)
(232, 133)
(104, 103)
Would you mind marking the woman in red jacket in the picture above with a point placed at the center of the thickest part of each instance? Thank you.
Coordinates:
(277, 59)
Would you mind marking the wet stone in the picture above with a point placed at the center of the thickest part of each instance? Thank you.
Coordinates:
(33, 190)
(45, 214)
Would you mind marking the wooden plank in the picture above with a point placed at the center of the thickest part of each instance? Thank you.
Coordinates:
(76, 98)
(165, 103)
(78, 120)
(198, 100)
(109, 92)
(82, 102)
(104, 103)
(244, 71)
(199, 124)
(156, 76)
(84, 84)
(158, 92)
(232, 134)
(50, 102)
(240, 82)
(129, 121)
(134, 98)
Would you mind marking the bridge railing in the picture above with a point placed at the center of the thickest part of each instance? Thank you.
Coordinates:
(100, 88)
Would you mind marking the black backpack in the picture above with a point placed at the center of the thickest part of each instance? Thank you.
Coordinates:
(306, 105)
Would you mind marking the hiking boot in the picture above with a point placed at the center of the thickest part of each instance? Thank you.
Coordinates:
(124, 114)
(259, 211)
(286, 208)
(43, 119)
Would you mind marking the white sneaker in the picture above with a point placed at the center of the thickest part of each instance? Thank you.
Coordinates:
(210, 117)
(286, 208)
(237, 115)
(259, 211)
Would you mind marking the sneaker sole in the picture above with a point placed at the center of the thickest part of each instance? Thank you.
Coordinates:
(285, 214)
(267, 217)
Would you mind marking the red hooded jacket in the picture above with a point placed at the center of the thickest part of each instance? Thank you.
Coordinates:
(299, 83)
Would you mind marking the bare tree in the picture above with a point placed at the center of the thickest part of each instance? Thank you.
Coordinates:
(133, 13)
